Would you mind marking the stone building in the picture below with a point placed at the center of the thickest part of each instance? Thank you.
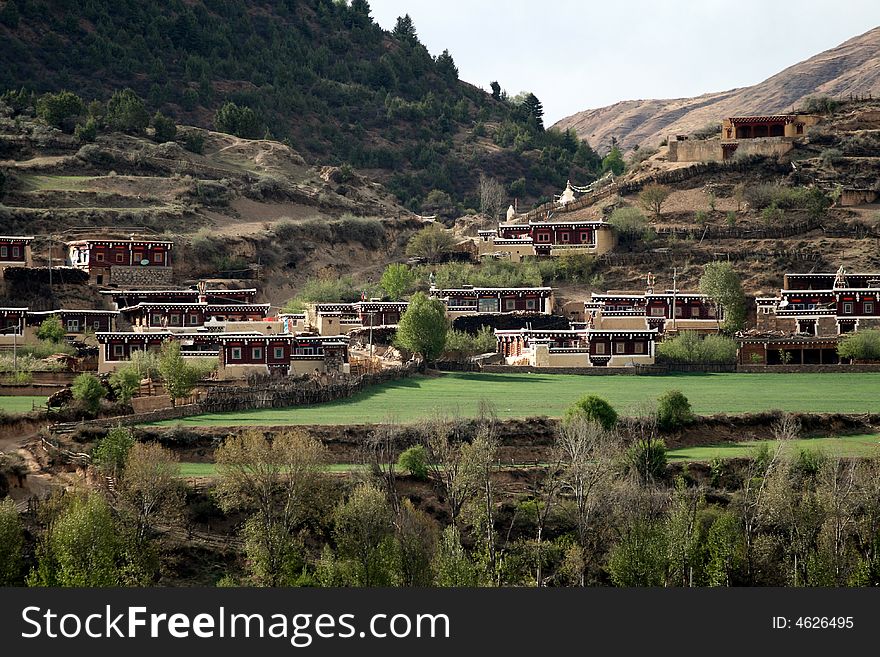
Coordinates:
(133, 261)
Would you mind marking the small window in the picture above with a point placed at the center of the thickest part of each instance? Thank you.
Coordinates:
(192, 319)
(847, 308)
(711, 311)
(174, 319)
(120, 257)
(236, 353)
(157, 319)
(869, 308)
(279, 353)
(799, 128)
(158, 258)
(257, 353)
(530, 304)
(96, 324)
(599, 348)
(678, 311)
(658, 311)
(543, 237)
(639, 347)
(509, 304)
(585, 237)
(565, 237)
(15, 252)
(118, 350)
(619, 347)
(695, 311)
(72, 325)
(4, 252)
(99, 257)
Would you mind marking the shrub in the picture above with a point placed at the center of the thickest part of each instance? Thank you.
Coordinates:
(51, 329)
(772, 215)
(630, 223)
(125, 381)
(431, 243)
(111, 452)
(88, 131)
(819, 105)
(126, 112)
(647, 456)
(860, 345)
(87, 389)
(673, 410)
(689, 348)
(652, 198)
(194, 142)
(58, 109)
(461, 344)
(594, 409)
(831, 156)
(166, 129)
(415, 461)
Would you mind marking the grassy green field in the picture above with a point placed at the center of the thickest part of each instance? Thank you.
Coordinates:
(843, 446)
(527, 395)
(23, 404)
(34, 182)
(188, 469)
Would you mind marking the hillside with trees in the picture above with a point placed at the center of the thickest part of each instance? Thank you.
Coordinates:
(319, 75)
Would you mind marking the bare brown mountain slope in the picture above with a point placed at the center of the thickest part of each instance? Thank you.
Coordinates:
(851, 68)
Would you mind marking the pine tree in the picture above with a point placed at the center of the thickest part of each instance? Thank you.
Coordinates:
(496, 89)
(534, 110)
(405, 30)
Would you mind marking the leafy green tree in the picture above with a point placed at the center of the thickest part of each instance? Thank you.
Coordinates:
(722, 285)
(178, 376)
(82, 547)
(51, 329)
(422, 328)
(125, 381)
(452, 565)
(239, 121)
(166, 129)
(126, 112)
(280, 483)
(397, 281)
(673, 410)
(431, 243)
(860, 345)
(647, 457)
(689, 347)
(630, 223)
(11, 544)
(363, 531)
(58, 109)
(415, 460)
(593, 409)
(415, 534)
(725, 547)
(87, 389)
(111, 452)
(639, 558)
(652, 198)
(150, 489)
(613, 162)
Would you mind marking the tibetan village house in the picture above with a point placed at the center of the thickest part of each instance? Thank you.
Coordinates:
(140, 261)
(148, 315)
(12, 325)
(125, 298)
(471, 300)
(669, 311)
(768, 135)
(546, 238)
(336, 318)
(75, 322)
(802, 324)
(577, 348)
(15, 252)
(240, 354)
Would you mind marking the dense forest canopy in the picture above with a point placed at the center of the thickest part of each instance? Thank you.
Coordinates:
(319, 74)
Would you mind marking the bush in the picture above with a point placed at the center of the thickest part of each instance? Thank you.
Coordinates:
(772, 215)
(860, 345)
(673, 410)
(594, 409)
(111, 452)
(87, 389)
(126, 112)
(415, 461)
(125, 381)
(431, 243)
(239, 121)
(166, 129)
(461, 344)
(194, 142)
(689, 348)
(630, 223)
(58, 109)
(88, 131)
(819, 105)
(51, 329)
(647, 456)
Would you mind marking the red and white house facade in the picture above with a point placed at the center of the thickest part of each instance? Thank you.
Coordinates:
(577, 348)
(471, 300)
(123, 261)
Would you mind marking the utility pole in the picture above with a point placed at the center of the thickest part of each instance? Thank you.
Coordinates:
(371, 342)
(674, 295)
(51, 240)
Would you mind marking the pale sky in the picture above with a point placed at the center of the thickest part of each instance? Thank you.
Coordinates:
(581, 55)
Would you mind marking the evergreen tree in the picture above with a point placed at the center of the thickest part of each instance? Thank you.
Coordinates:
(534, 110)
(496, 89)
(446, 66)
(126, 112)
(404, 30)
